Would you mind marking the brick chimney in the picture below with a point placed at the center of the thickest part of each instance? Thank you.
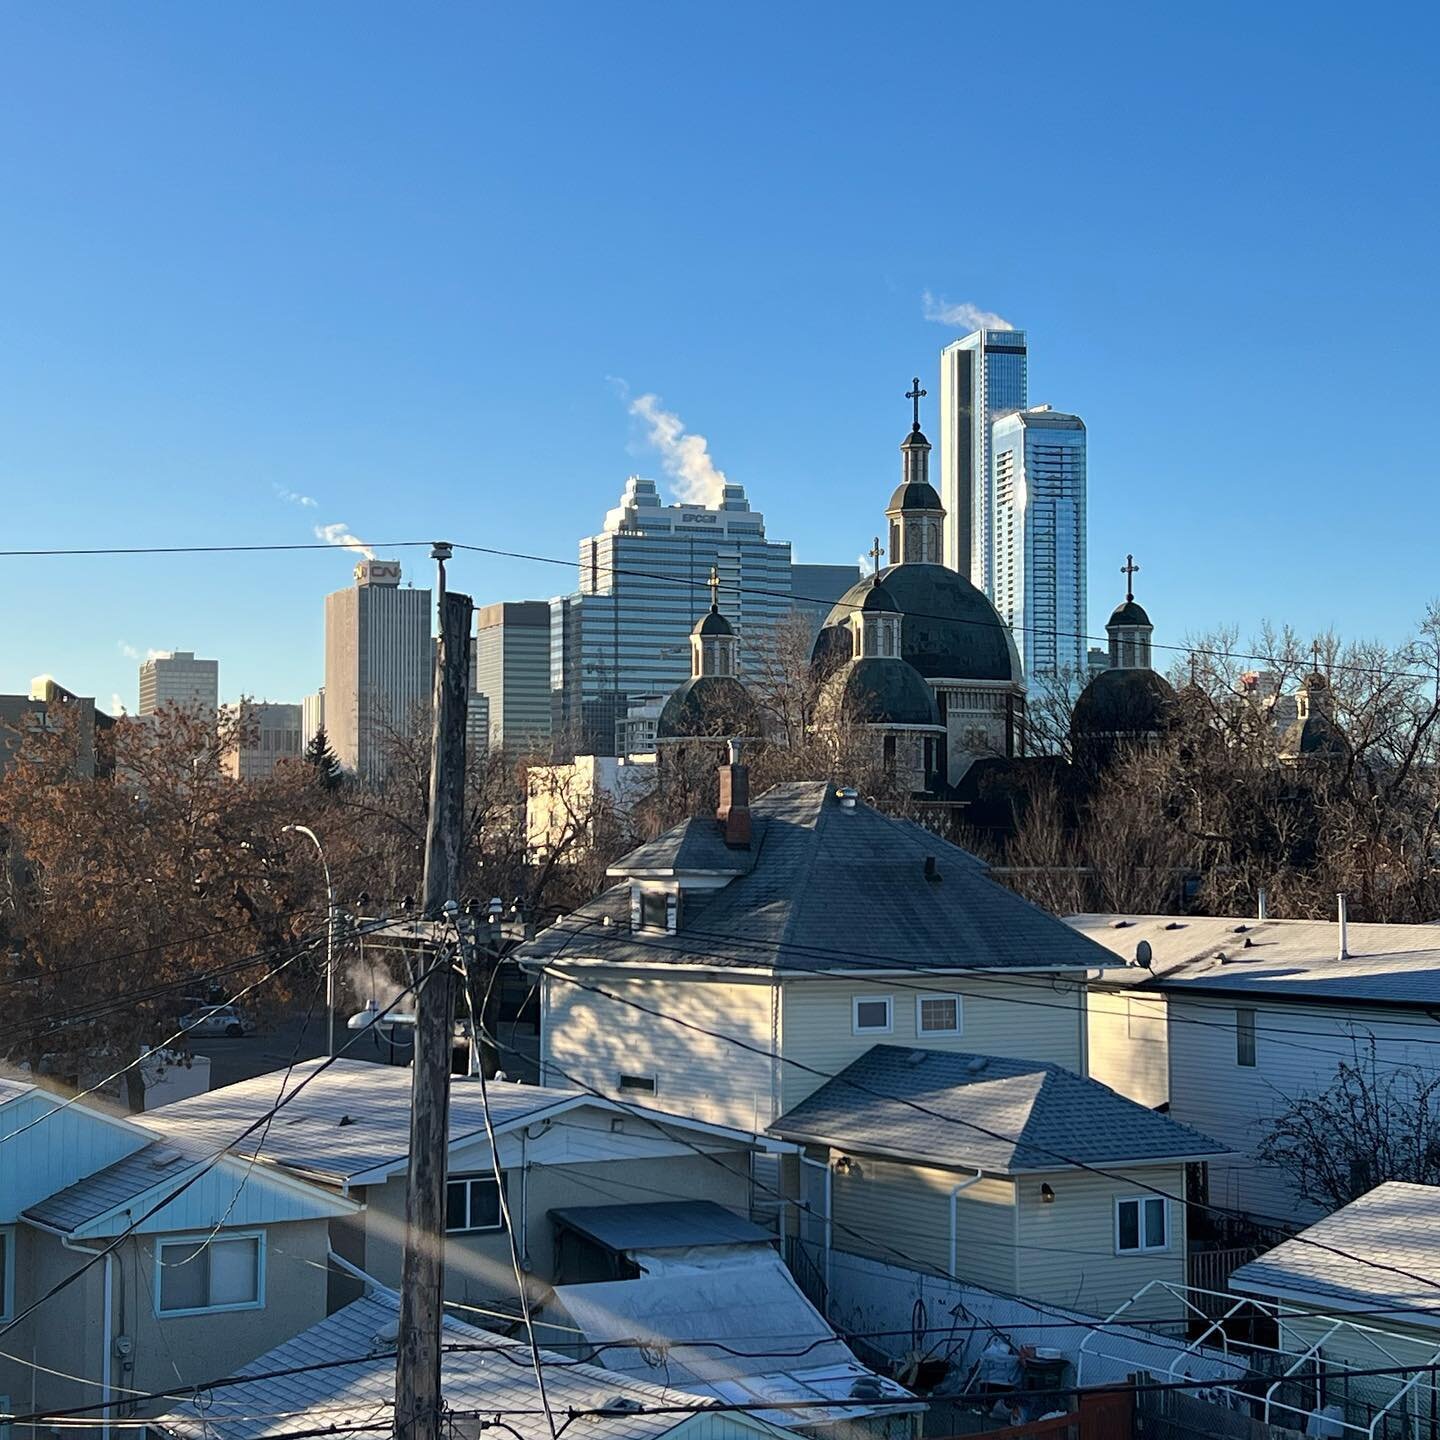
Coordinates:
(734, 809)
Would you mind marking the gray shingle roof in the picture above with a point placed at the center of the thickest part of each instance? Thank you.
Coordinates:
(694, 844)
(662, 1225)
(359, 1394)
(1387, 964)
(1395, 1224)
(13, 1089)
(833, 890)
(98, 1194)
(350, 1117)
(983, 1112)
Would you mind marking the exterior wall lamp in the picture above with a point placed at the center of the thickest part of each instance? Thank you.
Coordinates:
(1047, 1194)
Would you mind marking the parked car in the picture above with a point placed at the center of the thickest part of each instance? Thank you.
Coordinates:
(225, 1020)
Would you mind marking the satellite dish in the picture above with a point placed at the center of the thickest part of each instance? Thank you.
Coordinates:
(1144, 956)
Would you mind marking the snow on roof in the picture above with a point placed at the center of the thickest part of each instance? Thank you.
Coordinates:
(493, 1378)
(1385, 964)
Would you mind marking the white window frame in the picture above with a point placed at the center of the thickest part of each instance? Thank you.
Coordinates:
(498, 1227)
(1247, 1037)
(1140, 1201)
(7, 1290)
(959, 1000)
(653, 1088)
(856, 1001)
(209, 1237)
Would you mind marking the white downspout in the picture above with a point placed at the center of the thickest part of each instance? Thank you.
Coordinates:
(108, 1340)
(824, 1165)
(954, 1219)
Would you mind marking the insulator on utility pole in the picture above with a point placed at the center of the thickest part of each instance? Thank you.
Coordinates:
(417, 1359)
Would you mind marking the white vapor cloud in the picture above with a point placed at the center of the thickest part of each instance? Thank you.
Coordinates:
(127, 650)
(117, 705)
(339, 534)
(685, 456)
(293, 497)
(961, 314)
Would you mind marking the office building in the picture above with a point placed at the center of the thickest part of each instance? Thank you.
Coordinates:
(644, 581)
(477, 728)
(51, 707)
(265, 736)
(1038, 463)
(312, 717)
(178, 678)
(512, 669)
(378, 666)
(980, 376)
(814, 589)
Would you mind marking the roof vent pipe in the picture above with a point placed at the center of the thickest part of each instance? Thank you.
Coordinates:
(1262, 905)
(847, 795)
(1344, 952)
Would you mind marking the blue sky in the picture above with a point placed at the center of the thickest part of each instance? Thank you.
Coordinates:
(396, 257)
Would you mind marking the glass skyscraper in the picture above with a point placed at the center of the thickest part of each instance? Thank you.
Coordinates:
(1038, 465)
(643, 585)
(981, 376)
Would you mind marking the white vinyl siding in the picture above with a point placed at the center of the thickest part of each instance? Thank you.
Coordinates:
(1129, 1048)
(1067, 1247)
(1029, 1018)
(901, 1214)
(1298, 1048)
(7, 1272)
(591, 1039)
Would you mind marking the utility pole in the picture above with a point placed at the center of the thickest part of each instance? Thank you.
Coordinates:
(422, 1286)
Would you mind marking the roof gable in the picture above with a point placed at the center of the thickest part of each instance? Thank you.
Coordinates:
(1006, 1116)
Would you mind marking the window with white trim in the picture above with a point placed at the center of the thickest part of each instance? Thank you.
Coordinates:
(472, 1205)
(639, 1084)
(939, 1015)
(1245, 1038)
(872, 1014)
(1142, 1224)
(197, 1273)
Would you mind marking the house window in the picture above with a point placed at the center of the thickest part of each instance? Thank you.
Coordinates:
(7, 1273)
(641, 1084)
(652, 911)
(1245, 1037)
(472, 1204)
(1141, 1224)
(871, 1015)
(199, 1273)
(938, 1015)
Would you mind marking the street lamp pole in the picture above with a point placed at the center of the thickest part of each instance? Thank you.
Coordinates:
(329, 936)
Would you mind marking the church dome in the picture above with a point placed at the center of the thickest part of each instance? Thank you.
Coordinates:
(914, 495)
(948, 630)
(1317, 737)
(1122, 702)
(877, 601)
(708, 707)
(873, 690)
(713, 623)
(914, 440)
(1128, 612)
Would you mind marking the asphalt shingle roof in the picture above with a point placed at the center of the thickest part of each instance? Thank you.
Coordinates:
(1396, 1225)
(98, 1194)
(662, 1225)
(351, 1117)
(983, 1112)
(694, 844)
(360, 1393)
(1386, 964)
(833, 889)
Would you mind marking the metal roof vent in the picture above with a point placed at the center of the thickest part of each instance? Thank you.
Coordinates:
(976, 1063)
(1174, 925)
(624, 1404)
(1221, 957)
(932, 870)
(847, 795)
(346, 1120)
(1121, 925)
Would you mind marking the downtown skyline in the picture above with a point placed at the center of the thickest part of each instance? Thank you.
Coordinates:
(369, 296)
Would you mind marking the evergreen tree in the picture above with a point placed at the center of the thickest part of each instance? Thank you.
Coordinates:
(322, 758)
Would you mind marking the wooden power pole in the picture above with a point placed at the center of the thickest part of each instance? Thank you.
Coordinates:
(422, 1285)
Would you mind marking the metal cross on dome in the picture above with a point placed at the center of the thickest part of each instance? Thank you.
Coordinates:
(714, 583)
(876, 551)
(916, 394)
(1129, 570)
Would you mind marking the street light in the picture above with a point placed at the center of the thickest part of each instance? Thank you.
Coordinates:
(329, 936)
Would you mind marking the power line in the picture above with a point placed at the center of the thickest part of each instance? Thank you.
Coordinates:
(1208, 652)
